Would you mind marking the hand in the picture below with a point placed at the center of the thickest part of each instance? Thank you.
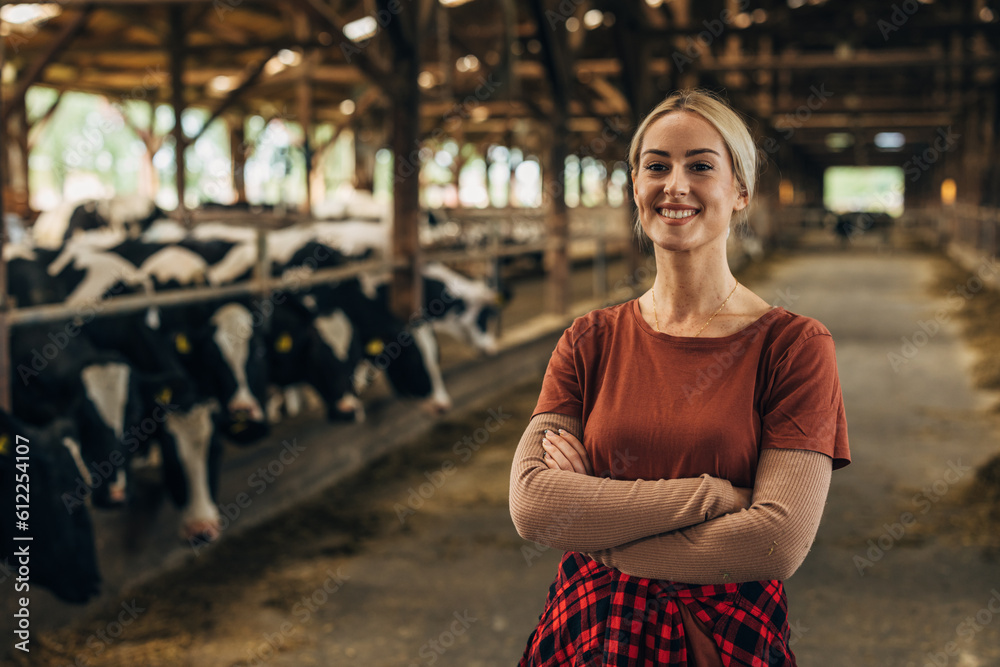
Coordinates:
(564, 452)
(745, 497)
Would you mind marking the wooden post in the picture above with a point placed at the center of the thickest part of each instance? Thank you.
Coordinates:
(556, 58)
(18, 152)
(557, 292)
(633, 51)
(304, 98)
(177, 58)
(405, 294)
(5, 365)
(237, 149)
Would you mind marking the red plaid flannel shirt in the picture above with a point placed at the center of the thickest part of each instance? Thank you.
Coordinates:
(596, 616)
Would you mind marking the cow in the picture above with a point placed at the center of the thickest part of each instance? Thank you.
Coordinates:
(407, 354)
(128, 215)
(461, 307)
(221, 345)
(317, 349)
(167, 406)
(61, 554)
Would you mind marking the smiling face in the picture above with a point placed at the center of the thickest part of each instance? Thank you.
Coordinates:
(685, 189)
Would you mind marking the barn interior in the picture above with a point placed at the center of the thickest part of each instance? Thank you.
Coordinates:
(486, 136)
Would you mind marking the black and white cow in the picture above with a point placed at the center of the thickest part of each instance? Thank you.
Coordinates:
(166, 407)
(316, 349)
(128, 215)
(61, 555)
(461, 307)
(221, 345)
(408, 355)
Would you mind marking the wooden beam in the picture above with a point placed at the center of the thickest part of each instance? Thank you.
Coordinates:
(5, 374)
(177, 63)
(37, 125)
(38, 65)
(250, 78)
(368, 62)
(556, 57)
(406, 290)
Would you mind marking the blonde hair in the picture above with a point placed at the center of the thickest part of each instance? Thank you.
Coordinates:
(743, 153)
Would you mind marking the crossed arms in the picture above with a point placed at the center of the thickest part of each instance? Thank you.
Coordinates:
(697, 530)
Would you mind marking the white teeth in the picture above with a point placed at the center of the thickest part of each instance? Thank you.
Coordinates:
(676, 215)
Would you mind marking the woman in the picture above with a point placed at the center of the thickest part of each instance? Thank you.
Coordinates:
(657, 415)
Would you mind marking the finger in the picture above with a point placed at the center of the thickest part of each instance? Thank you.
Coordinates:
(559, 447)
(572, 450)
(549, 461)
(557, 455)
(580, 450)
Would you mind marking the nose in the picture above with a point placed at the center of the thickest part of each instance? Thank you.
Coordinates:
(676, 184)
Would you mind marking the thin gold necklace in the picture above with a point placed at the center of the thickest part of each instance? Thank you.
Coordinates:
(656, 321)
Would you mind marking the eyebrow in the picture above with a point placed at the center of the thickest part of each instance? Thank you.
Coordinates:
(693, 151)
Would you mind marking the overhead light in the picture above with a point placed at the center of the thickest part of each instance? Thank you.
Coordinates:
(274, 65)
(426, 79)
(454, 3)
(890, 141)
(654, 3)
(479, 114)
(572, 24)
(23, 14)
(838, 141)
(347, 107)
(593, 18)
(362, 29)
(289, 57)
(949, 191)
(468, 63)
(223, 83)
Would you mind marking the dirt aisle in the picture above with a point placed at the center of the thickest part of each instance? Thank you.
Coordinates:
(416, 563)
(889, 582)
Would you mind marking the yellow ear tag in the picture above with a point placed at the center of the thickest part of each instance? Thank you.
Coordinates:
(284, 343)
(374, 347)
(182, 343)
(4, 444)
(164, 395)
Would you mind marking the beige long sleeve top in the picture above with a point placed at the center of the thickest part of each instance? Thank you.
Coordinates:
(689, 530)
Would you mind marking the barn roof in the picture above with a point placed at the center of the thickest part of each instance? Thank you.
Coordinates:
(491, 70)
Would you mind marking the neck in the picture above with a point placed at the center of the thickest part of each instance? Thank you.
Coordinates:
(691, 285)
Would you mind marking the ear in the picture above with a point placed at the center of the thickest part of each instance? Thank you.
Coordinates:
(741, 201)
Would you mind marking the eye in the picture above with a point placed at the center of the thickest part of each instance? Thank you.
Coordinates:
(702, 166)
(656, 166)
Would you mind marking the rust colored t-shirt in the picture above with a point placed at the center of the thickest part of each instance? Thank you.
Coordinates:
(658, 406)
